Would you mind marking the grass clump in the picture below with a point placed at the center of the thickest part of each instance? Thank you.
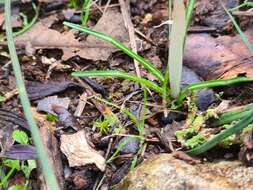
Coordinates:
(168, 84)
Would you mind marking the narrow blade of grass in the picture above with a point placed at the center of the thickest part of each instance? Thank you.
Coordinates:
(237, 27)
(189, 13)
(85, 12)
(211, 84)
(176, 47)
(221, 136)
(43, 158)
(149, 66)
(119, 74)
(228, 117)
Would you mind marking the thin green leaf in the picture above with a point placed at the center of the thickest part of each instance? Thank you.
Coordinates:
(176, 48)
(189, 13)
(237, 27)
(43, 158)
(223, 135)
(119, 74)
(149, 66)
(228, 117)
(85, 12)
(20, 136)
(211, 84)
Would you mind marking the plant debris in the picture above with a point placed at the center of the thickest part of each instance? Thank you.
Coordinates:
(79, 152)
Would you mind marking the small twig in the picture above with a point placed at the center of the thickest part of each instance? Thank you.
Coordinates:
(106, 6)
(124, 6)
(11, 94)
(81, 105)
(145, 37)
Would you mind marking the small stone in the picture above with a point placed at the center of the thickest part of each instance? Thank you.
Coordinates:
(131, 147)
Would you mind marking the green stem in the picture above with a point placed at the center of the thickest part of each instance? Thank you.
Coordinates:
(237, 27)
(6, 178)
(189, 12)
(211, 84)
(28, 26)
(85, 12)
(119, 74)
(43, 157)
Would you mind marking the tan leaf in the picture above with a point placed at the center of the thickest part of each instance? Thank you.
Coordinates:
(79, 152)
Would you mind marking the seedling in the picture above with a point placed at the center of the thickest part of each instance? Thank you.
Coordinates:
(85, 11)
(16, 165)
(26, 24)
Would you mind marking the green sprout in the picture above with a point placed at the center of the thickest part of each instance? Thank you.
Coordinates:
(16, 165)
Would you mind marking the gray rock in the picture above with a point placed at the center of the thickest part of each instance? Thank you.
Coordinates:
(205, 97)
(164, 172)
(132, 145)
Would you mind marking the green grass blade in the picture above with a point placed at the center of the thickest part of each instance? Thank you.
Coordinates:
(189, 13)
(85, 12)
(211, 84)
(119, 74)
(149, 66)
(237, 27)
(43, 158)
(221, 136)
(176, 48)
(35, 18)
(228, 117)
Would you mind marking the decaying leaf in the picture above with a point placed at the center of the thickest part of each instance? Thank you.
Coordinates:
(92, 48)
(79, 152)
(66, 119)
(20, 152)
(37, 90)
(46, 104)
(223, 57)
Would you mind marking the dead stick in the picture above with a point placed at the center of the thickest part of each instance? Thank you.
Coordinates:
(129, 25)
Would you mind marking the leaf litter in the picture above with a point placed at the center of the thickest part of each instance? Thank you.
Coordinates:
(84, 148)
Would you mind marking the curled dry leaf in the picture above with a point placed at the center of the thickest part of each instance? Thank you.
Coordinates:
(79, 152)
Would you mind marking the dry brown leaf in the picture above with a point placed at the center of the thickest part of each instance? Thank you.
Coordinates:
(223, 57)
(41, 36)
(79, 152)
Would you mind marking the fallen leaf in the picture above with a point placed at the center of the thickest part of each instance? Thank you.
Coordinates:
(37, 90)
(65, 118)
(46, 104)
(79, 152)
(223, 57)
(92, 48)
(20, 152)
